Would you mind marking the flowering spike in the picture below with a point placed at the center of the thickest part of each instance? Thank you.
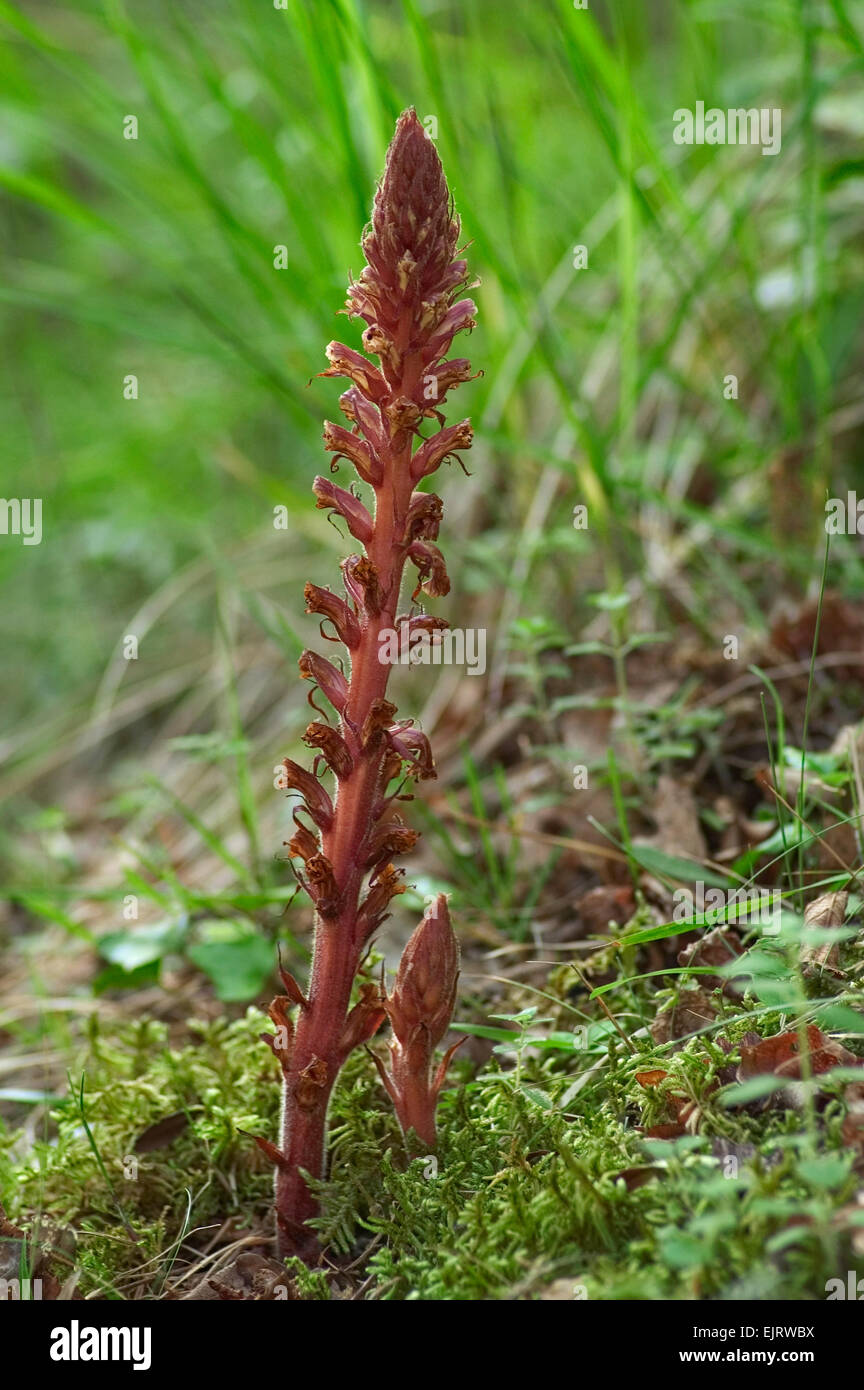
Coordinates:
(408, 296)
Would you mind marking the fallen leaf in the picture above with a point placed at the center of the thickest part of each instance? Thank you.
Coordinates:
(162, 1133)
(637, 1177)
(600, 906)
(672, 1131)
(694, 1009)
(829, 910)
(780, 1055)
(250, 1278)
(716, 948)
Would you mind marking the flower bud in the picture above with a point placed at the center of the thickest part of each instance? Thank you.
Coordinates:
(425, 988)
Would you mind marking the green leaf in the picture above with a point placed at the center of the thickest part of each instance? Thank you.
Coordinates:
(589, 649)
(753, 1089)
(115, 977)
(235, 959)
(610, 603)
(839, 1018)
(670, 866)
(683, 1251)
(793, 1235)
(827, 1171)
(538, 1097)
(143, 945)
(479, 1030)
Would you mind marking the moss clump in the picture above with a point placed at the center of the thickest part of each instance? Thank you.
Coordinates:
(125, 1210)
(534, 1190)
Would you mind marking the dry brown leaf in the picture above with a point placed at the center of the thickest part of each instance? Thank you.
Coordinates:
(780, 1055)
(695, 1008)
(828, 910)
(671, 1131)
(636, 1177)
(651, 1078)
(716, 948)
(162, 1133)
(607, 903)
(250, 1278)
(677, 819)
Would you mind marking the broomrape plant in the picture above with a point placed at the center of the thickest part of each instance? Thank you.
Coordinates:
(408, 295)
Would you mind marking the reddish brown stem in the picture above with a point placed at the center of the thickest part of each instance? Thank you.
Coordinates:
(406, 295)
(338, 947)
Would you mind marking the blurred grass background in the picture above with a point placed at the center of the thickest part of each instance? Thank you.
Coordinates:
(261, 127)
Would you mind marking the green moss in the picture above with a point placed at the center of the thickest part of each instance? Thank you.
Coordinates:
(222, 1079)
(532, 1186)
